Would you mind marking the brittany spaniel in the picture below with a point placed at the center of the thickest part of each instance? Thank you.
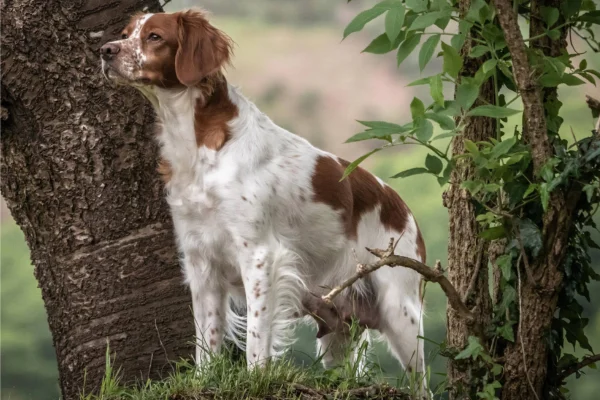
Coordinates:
(261, 216)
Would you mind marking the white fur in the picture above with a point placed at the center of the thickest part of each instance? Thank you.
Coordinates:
(239, 207)
(252, 236)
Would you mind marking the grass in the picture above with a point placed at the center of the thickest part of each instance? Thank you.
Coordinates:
(226, 376)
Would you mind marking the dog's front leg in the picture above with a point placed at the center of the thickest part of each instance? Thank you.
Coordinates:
(208, 303)
(256, 265)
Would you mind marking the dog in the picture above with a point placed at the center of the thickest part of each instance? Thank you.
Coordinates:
(262, 218)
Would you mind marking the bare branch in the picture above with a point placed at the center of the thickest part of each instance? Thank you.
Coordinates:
(534, 121)
(571, 369)
(388, 258)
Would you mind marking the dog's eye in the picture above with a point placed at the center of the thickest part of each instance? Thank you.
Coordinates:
(154, 37)
(123, 36)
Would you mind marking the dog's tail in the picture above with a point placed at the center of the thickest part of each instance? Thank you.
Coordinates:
(286, 298)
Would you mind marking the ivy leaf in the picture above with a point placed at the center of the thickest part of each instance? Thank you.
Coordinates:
(504, 262)
(452, 60)
(380, 45)
(411, 172)
(424, 130)
(531, 237)
(359, 22)
(478, 51)
(356, 162)
(443, 121)
(437, 90)
(427, 50)
(407, 47)
(492, 112)
(506, 331)
(433, 164)
(466, 94)
(493, 233)
(417, 109)
(549, 15)
(489, 65)
(394, 19)
(545, 195)
(503, 147)
(473, 349)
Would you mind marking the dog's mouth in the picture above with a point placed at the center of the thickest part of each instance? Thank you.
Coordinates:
(113, 75)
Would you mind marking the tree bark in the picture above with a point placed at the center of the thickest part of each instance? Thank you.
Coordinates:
(78, 174)
(526, 366)
(467, 253)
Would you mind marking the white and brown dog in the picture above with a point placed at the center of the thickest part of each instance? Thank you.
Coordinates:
(261, 215)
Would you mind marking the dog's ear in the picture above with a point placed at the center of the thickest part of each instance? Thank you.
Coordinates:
(203, 49)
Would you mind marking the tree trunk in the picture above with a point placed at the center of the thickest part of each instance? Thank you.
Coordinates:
(78, 174)
(467, 253)
(526, 366)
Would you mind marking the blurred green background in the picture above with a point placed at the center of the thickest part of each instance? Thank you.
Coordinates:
(290, 60)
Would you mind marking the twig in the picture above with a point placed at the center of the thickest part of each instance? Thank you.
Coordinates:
(388, 258)
(307, 390)
(571, 369)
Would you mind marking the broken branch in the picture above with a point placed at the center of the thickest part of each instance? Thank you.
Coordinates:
(571, 369)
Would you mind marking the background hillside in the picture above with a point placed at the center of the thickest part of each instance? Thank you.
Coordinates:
(290, 60)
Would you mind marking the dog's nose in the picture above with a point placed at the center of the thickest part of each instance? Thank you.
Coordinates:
(108, 51)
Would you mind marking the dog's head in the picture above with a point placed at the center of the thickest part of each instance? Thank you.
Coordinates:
(166, 50)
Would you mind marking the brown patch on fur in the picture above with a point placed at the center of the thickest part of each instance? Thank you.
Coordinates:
(211, 116)
(256, 313)
(421, 250)
(356, 195)
(165, 171)
(212, 342)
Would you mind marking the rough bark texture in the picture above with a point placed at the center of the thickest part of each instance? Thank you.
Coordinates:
(467, 253)
(78, 174)
(527, 359)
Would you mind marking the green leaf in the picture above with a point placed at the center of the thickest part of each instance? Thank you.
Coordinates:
(545, 195)
(380, 45)
(424, 130)
(384, 125)
(417, 5)
(554, 34)
(504, 262)
(443, 121)
(532, 188)
(503, 147)
(445, 135)
(472, 186)
(407, 47)
(473, 349)
(427, 50)
(570, 8)
(394, 19)
(417, 109)
(506, 331)
(549, 15)
(592, 16)
(422, 81)
(496, 232)
(356, 162)
(492, 112)
(433, 164)
(437, 90)
(426, 20)
(359, 22)
(478, 51)
(571, 80)
(466, 94)
(489, 65)
(531, 237)
(411, 172)
(458, 41)
(452, 60)
(471, 147)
